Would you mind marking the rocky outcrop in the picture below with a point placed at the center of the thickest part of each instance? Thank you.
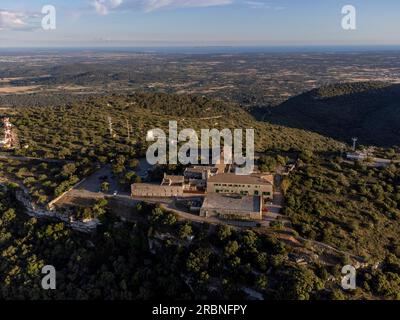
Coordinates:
(22, 195)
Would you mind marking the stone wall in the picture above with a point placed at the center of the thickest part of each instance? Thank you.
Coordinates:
(23, 197)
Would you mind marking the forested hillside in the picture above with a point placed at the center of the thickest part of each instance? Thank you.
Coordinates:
(154, 258)
(81, 129)
(353, 207)
(369, 111)
(123, 260)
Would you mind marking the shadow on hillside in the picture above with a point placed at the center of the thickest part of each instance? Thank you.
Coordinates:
(372, 115)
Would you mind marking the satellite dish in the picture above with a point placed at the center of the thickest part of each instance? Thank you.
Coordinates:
(150, 135)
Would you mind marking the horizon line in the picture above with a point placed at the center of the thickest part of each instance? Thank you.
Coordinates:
(181, 48)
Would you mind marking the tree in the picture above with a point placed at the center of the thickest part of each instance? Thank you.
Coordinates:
(300, 284)
(250, 239)
(267, 164)
(105, 186)
(68, 170)
(185, 231)
(198, 260)
(170, 219)
(133, 163)
(306, 155)
(99, 209)
(262, 282)
(231, 248)
(223, 232)
(8, 216)
(156, 215)
(262, 261)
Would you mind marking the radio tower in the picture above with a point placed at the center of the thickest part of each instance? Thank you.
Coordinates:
(354, 143)
(128, 128)
(10, 140)
(110, 127)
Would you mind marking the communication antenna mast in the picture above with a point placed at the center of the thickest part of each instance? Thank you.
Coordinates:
(10, 140)
(110, 127)
(354, 143)
(128, 129)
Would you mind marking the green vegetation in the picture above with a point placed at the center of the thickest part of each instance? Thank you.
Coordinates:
(268, 163)
(341, 89)
(44, 181)
(79, 134)
(353, 207)
(153, 258)
(367, 110)
(80, 131)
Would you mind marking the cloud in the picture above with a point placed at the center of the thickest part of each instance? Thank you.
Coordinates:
(11, 20)
(103, 7)
(151, 5)
(16, 20)
(262, 5)
(257, 5)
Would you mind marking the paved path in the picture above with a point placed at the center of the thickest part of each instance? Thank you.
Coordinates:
(329, 247)
(274, 208)
(170, 205)
(93, 182)
(91, 187)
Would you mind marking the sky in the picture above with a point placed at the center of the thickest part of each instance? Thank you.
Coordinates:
(110, 23)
